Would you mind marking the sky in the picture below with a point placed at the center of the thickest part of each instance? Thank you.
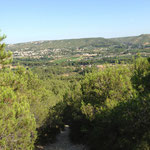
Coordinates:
(32, 20)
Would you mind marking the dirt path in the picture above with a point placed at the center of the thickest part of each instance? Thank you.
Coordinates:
(63, 142)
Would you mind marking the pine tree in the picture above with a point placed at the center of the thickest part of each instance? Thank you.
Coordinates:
(5, 57)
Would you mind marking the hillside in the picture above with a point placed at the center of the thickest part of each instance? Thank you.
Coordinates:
(85, 49)
(143, 39)
(59, 47)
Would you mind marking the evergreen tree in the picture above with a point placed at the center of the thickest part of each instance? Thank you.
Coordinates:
(5, 57)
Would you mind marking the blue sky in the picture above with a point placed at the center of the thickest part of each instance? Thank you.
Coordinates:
(31, 20)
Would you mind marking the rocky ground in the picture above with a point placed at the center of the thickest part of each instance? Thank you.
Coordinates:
(63, 142)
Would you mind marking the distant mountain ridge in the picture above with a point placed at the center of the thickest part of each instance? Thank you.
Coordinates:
(101, 47)
(67, 43)
(143, 39)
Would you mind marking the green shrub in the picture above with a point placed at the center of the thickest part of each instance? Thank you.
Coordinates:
(18, 126)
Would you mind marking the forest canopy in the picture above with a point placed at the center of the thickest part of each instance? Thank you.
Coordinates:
(107, 107)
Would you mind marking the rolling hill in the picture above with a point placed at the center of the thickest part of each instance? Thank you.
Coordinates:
(59, 51)
(143, 39)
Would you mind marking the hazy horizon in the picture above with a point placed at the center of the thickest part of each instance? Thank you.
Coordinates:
(25, 21)
(76, 38)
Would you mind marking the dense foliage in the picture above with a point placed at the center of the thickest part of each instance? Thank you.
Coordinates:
(26, 102)
(106, 108)
(112, 109)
